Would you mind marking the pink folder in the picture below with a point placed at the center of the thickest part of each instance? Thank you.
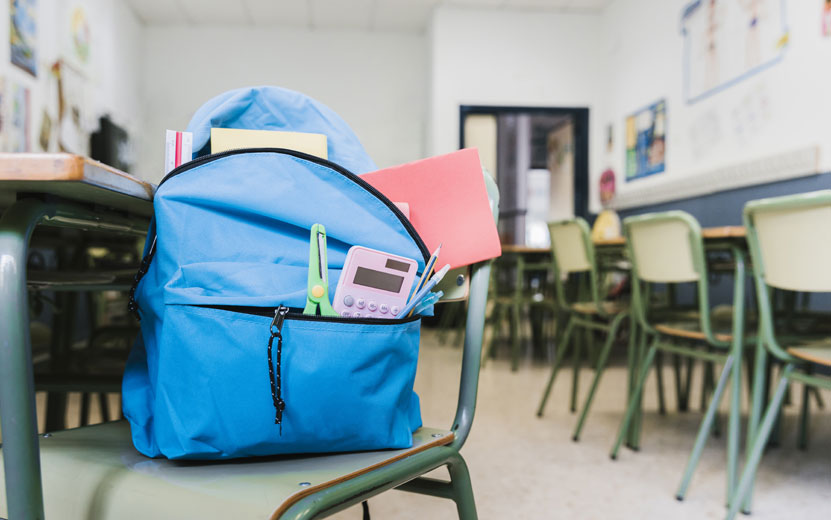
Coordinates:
(448, 205)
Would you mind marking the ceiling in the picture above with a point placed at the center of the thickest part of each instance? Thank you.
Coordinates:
(366, 15)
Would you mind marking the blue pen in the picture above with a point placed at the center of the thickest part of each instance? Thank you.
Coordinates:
(408, 309)
(430, 300)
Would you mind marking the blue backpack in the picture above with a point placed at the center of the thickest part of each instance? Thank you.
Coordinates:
(226, 364)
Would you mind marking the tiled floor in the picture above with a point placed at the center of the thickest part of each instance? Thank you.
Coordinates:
(525, 467)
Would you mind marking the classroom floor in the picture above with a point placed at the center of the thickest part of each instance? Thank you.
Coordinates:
(524, 467)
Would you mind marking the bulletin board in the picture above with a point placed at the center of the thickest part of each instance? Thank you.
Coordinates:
(728, 41)
(646, 141)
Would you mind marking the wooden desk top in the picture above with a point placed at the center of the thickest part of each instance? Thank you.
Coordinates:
(709, 234)
(75, 178)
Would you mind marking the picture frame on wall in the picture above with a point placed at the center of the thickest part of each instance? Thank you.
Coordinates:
(646, 141)
(23, 34)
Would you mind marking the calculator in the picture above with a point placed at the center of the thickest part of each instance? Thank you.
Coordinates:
(373, 284)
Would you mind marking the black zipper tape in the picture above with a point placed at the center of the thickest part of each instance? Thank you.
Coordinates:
(314, 159)
(132, 305)
(297, 314)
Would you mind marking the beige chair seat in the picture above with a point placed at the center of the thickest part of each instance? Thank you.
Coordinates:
(94, 472)
(818, 352)
(692, 330)
(612, 307)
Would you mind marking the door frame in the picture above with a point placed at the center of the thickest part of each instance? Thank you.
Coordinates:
(580, 120)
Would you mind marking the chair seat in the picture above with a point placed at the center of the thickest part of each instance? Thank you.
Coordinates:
(94, 472)
(692, 330)
(818, 352)
(609, 307)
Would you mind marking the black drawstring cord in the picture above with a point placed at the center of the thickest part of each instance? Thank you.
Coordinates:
(276, 383)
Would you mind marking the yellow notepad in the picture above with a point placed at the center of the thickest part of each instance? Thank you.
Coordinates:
(223, 139)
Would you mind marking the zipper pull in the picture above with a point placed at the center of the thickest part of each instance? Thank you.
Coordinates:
(275, 377)
(277, 323)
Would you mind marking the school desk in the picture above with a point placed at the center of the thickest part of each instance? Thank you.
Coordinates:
(61, 190)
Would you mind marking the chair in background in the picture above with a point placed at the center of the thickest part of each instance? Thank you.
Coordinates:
(573, 253)
(790, 245)
(667, 248)
(512, 296)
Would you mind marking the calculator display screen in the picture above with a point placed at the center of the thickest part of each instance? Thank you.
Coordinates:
(378, 280)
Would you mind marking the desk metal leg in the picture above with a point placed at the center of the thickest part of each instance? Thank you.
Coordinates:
(17, 391)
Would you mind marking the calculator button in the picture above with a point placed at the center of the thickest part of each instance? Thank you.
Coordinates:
(371, 305)
(348, 300)
(360, 303)
(345, 314)
(394, 310)
(356, 315)
(383, 308)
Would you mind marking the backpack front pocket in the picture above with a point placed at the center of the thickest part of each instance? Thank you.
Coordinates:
(346, 384)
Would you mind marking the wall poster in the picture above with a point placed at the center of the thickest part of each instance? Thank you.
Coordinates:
(646, 141)
(22, 34)
(726, 41)
(20, 120)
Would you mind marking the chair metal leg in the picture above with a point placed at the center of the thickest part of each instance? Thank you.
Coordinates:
(635, 399)
(562, 349)
(634, 437)
(708, 384)
(496, 327)
(704, 429)
(601, 365)
(818, 397)
(575, 364)
(734, 420)
(745, 488)
(803, 418)
(84, 419)
(516, 316)
(632, 369)
(462, 489)
(760, 373)
(684, 398)
(659, 380)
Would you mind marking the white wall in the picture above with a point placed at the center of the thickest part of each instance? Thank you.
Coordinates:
(780, 109)
(520, 58)
(111, 75)
(375, 81)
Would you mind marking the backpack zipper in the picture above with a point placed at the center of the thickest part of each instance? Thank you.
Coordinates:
(132, 304)
(275, 377)
(297, 315)
(314, 159)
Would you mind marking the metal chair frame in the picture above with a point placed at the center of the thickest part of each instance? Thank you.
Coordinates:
(769, 344)
(727, 353)
(598, 320)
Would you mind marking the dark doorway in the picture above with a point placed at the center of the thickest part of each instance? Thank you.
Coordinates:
(539, 158)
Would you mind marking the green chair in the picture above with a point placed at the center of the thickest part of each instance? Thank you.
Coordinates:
(573, 252)
(511, 298)
(667, 248)
(790, 245)
(94, 472)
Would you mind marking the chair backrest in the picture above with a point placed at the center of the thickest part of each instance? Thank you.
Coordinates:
(790, 247)
(571, 245)
(572, 251)
(793, 240)
(667, 248)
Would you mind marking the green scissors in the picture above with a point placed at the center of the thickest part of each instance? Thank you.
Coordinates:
(317, 294)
